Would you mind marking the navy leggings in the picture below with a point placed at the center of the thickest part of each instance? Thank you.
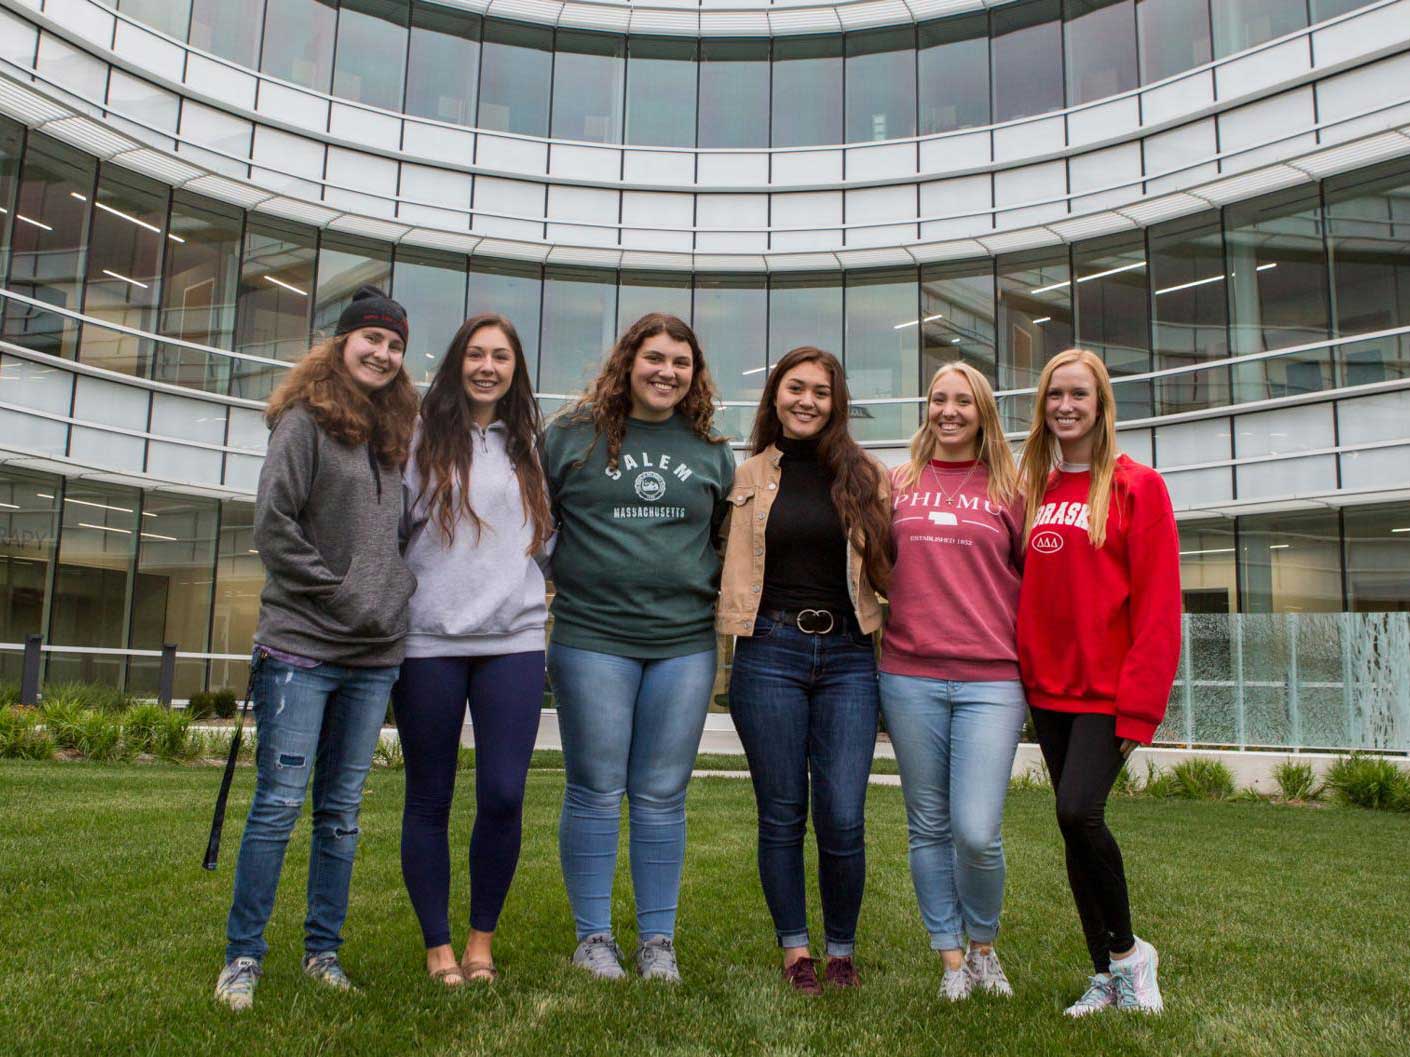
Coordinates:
(505, 695)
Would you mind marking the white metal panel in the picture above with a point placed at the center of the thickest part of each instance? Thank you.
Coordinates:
(160, 166)
(734, 23)
(176, 416)
(292, 106)
(241, 194)
(447, 194)
(1283, 477)
(144, 103)
(806, 167)
(1262, 69)
(1199, 488)
(300, 210)
(1090, 226)
(1175, 152)
(653, 209)
(729, 211)
(384, 230)
(801, 262)
(71, 68)
(155, 54)
(1283, 430)
(89, 20)
(1029, 139)
(1365, 151)
(583, 203)
(1367, 419)
(1367, 31)
(1367, 87)
(375, 179)
(962, 194)
(955, 152)
(1175, 99)
(814, 210)
(1105, 121)
(658, 167)
(517, 197)
(1375, 469)
(595, 16)
(572, 162)
(366, 128)
(783, 22)
(1260, 181)
(879, 204)
(668, 23)
(27, 105)
(43, 388)
(242, 472)
(1120, 164)
(19, 40)
(296, 156)
(247, 429)
(110, 404)
(886, 161)
(1135, 443)
(1027, 184)
(1187, 443)
(1268, 119)
(220, 81)
(438, 143)
(506, 154)
(732, 170)
(873, 13)
(219, 130)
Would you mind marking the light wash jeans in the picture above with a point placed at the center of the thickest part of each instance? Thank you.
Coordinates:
(629, 727)
(322, 721)
(955, 744)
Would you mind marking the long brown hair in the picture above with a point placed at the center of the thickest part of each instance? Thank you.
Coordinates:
(607, 403)
(382, 419)
(857, 478)
(1041, 450)
(445, 450)
(992, 449)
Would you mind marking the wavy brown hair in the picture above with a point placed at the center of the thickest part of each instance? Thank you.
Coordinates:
(445, 450)
(857, 478)
(383, 420)
(607, 403)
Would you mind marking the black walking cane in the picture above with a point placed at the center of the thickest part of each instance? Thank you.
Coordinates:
(218, 821)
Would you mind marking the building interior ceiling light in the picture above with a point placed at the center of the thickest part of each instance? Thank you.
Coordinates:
(124, 278)
(31, 220)
(104, 528)
(286, 286)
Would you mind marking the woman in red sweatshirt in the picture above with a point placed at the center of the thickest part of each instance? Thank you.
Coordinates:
(1098, 645)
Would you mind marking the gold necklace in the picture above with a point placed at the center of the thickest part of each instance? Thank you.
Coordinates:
(949, 497)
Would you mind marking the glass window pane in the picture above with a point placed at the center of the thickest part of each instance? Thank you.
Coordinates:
(443, 69)
(957, 317)
(228, 30)
(513, 291)
(661, 81)
(345, 263)
(11, 150)
(1027, 42)
(807, 91)
(1278, 292)
(199, 291)
(1207, 579)
(1035, 324)
(276, 296)
(1189, 291)
(1368, 235)
(124, 260)
(1377, 558)
(734, 93)
(431, 287)
(47, 241)
(239, 578)
(1113, 314)
(641, 292)
(1240, 24)
(29, 524)
(953, 69)
(516, 72)
(579, 326)
(731, 320)
(371, 52)
(298, 42)
(883, 358)
(588, 72)
(881, 85)
(1101, 49)
(171, 594)
(1174, 36)
(804, 310)
(166, 16)
(1290, 562)
(1325, 9)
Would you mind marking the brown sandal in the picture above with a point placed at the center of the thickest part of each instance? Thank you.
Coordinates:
(479, 972)
(451, 976)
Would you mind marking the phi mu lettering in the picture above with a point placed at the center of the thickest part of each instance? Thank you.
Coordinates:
(960, 502)
(629, 463)
(1062, 514)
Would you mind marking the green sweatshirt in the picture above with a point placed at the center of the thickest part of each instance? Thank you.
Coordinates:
(635, 568)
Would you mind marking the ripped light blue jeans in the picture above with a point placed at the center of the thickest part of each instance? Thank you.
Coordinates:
(322, 721)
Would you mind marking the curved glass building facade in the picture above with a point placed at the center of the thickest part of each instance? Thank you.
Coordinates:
(1214, 195)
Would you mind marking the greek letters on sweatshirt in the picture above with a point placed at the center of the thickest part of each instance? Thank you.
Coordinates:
(954, 588)
(635, 570)
(1099, 630)
(481, 594)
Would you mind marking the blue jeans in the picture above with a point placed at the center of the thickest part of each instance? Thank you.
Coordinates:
(954, 745)
(323, 721)
(805, 705)
(629, 727)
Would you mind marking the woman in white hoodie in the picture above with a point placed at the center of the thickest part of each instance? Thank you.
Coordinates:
(477, 520)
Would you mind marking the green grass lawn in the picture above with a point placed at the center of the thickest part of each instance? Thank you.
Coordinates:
(1282, 931)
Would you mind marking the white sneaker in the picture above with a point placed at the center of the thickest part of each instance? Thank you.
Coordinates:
(1135, 975)
(236, 985)
(1100, 994)
(600, 956)
(956, 984)
(988, 974)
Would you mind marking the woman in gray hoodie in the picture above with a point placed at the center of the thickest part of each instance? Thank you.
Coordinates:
(477, 520)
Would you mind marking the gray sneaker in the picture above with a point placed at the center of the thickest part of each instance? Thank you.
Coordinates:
(1100, 994)
(988, 974)
(235, 987)
(600, 956)
(1136, 988)
(656, 960)
(327, 970)
(956, 984)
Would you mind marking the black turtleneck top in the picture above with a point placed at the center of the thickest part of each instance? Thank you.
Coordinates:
(805, 556)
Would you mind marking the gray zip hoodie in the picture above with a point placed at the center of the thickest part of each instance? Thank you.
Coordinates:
(326, 519)
(480, 595)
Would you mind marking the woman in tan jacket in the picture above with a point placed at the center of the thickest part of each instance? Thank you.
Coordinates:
(807, 545)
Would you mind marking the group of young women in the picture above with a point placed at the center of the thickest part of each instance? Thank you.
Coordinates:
(406, 553)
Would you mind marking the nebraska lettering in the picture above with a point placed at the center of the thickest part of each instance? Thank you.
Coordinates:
(1062, 514)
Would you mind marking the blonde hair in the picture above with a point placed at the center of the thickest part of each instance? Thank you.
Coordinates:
(1041, 451)
(992, 449)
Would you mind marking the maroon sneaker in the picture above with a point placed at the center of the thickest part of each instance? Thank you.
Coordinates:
(802, 976)
(840, 972)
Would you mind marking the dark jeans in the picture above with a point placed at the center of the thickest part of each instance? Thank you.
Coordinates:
(806, 706)
(505, 695)
(1083, 755)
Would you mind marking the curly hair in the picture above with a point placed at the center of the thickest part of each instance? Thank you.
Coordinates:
(445, 451)
(607, 402)
(382, 419)
(857, 479)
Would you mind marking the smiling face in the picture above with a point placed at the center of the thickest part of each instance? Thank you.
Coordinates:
(487, 370)
(1071, 410)
(954, 417)
(660, 378)
(804, 400)
(372, 356)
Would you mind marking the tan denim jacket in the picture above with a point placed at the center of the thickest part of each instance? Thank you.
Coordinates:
(756, 485)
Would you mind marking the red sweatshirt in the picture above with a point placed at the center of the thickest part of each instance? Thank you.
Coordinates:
(1099, 630)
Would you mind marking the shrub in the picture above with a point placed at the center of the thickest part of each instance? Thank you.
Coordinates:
(1157, 783)
(62, 717)
(1202, 779)
(1250, 795)
(21, 736)
(95, 696)
(158, 731)
(225, 702)
(1033, 779)
(388, 754)
(201, 704)
(1127, 784)
(9, 694)
(98, 736)
(1369, 781)
(1297, 781)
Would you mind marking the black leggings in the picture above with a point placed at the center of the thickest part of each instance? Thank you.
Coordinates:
(1083, 755)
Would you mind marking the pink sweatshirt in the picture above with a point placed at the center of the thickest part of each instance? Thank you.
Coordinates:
(954, 591)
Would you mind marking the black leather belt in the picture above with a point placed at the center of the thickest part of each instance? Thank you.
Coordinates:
(810, 621)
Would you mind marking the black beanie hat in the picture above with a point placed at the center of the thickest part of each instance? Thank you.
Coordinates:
(372, 308)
